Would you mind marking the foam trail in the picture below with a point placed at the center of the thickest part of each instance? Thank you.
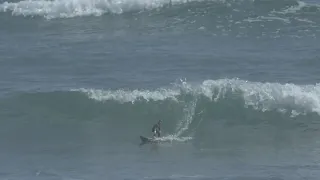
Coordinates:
(175, 138)
(189, 112)
(183, 124)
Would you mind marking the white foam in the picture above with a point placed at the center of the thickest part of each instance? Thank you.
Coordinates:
(293, 9)
(267, 18)
(305, 20)
(174, 138)
(268, 96)
(124, 96)
(72, 8)
(251, 20)
(273, 18)
(260, 96)
(297, 9)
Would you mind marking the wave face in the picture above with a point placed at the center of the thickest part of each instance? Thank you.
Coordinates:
(226, 111)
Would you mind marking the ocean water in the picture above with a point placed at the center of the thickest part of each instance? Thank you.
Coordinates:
(236, 83)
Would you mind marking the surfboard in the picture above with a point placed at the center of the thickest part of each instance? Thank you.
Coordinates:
(145, 140)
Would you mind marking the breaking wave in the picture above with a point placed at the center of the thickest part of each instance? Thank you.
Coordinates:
(221, 108)
(284, 98)
(73, 8)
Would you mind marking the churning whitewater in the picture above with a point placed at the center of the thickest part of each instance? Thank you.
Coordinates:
(73, 8)
(241, 19)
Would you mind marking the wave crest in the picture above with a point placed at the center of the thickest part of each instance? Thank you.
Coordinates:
(73, 8)
(260, 96)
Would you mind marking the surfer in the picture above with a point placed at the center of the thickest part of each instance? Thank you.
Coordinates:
(156, 129)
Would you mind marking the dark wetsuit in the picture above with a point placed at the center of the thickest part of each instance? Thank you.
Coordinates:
(156, 129)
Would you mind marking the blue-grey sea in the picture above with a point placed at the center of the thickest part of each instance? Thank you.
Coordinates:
(236, 83)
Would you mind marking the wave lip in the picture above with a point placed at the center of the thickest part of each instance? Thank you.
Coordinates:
(268, 96)
(124, 96)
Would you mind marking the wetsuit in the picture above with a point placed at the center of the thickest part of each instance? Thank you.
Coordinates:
(156, 130)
